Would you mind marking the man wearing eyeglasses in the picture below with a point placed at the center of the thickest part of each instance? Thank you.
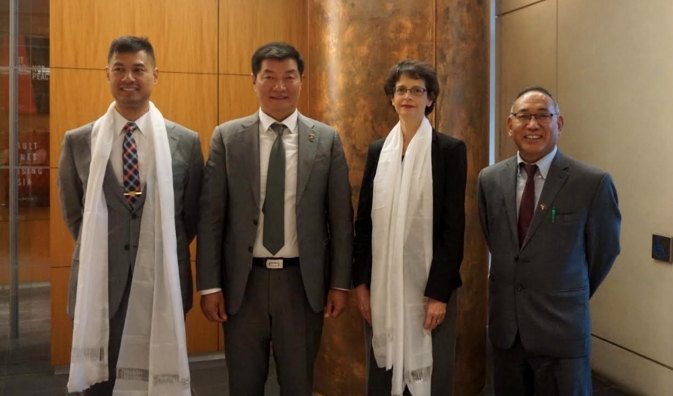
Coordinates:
(552, 226)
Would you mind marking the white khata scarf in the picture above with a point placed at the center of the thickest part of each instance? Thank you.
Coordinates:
(153, 355)
(401, 258)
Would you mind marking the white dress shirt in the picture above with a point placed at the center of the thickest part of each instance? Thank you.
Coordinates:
(291, 143)
(543, 165)
(117, 151)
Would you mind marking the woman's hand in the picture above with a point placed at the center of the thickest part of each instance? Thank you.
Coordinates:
(434, 314)
(362, 293)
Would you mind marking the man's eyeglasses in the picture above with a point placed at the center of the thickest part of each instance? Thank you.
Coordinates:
(539, 117)
(416, 91)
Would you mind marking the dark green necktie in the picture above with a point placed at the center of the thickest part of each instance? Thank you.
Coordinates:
(274, 202)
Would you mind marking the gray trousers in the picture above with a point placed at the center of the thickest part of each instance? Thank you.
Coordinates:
(275, 313)
(379, 380)
(116, 330)
(517, 372)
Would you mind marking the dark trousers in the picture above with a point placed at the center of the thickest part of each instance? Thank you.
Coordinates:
(379, 380)
(274, 308)
(116, 330)
(517, 372)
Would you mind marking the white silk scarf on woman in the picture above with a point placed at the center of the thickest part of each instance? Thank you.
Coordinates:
(153, 355)
(401, 258)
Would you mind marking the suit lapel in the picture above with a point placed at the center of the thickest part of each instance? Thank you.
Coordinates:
(556, 178)
(438, 172)
(308, 144)
(508, 183)
(173, 138)
(247, 149)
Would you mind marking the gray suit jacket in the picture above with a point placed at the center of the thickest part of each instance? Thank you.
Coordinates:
(542, 290)
(124, 222)
(230, 206)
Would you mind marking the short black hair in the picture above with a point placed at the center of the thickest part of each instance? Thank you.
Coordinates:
(279, 51)
(417, 70)
(131, 44)
(536, 88)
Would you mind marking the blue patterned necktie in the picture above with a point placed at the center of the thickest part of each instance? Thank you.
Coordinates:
(130, 163)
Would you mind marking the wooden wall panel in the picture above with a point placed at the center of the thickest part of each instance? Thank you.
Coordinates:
(61, 325)
(190, 100)
(237, 98)
(183, 33)
(33, 248)
(247, 24)
(77, 97)
(202, 335)
(61, 243)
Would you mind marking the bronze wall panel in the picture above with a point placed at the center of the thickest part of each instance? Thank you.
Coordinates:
(463, 62)
(351, 48)
(352, 45)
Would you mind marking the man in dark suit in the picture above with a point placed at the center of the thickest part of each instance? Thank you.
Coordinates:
(131, 73)
(552, 225)
(275, 236)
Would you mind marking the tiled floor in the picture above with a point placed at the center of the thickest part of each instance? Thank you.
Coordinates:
(25, 367)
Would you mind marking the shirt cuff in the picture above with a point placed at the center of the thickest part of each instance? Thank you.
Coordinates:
(210, 291)
(335, 288)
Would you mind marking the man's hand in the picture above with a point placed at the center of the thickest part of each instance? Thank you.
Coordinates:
(336, 303)
(434, 314)
(362, 294)
(212, 306)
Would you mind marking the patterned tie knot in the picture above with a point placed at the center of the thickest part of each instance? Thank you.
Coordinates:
(530, 169)
(278, 128)
(130, 127)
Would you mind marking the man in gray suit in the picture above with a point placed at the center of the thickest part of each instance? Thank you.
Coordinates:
(275, 236)
(131, 73)
(552, 226)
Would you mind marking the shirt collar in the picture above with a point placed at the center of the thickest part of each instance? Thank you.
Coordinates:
(290, 122)
(543, 164)
(119, 122)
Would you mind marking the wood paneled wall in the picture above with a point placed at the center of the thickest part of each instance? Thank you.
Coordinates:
(203, 55)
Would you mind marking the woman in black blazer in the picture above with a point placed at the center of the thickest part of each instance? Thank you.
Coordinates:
(404, 284)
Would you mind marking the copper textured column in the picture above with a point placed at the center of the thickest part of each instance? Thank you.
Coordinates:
(463, 36)
(352, 44)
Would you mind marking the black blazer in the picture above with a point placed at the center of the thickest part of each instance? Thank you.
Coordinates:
(449, 174)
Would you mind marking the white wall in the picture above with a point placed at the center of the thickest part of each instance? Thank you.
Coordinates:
(613, 66)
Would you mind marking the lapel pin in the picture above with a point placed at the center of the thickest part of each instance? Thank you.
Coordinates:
(311, 137)
(543, 206)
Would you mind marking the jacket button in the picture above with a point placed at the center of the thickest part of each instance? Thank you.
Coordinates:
(126, 247)
(250, 249)
(519, 288)
(134, 216)
(516, 258)
(255, 222)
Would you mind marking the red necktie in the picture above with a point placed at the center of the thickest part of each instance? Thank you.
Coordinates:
(527, 206)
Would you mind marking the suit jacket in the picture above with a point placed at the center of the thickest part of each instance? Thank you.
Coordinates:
(449, 173)
(542, 289)
(123, 221)
(230, 207)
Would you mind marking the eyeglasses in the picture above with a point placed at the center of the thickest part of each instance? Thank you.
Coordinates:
(539, 117)
(416, 91)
